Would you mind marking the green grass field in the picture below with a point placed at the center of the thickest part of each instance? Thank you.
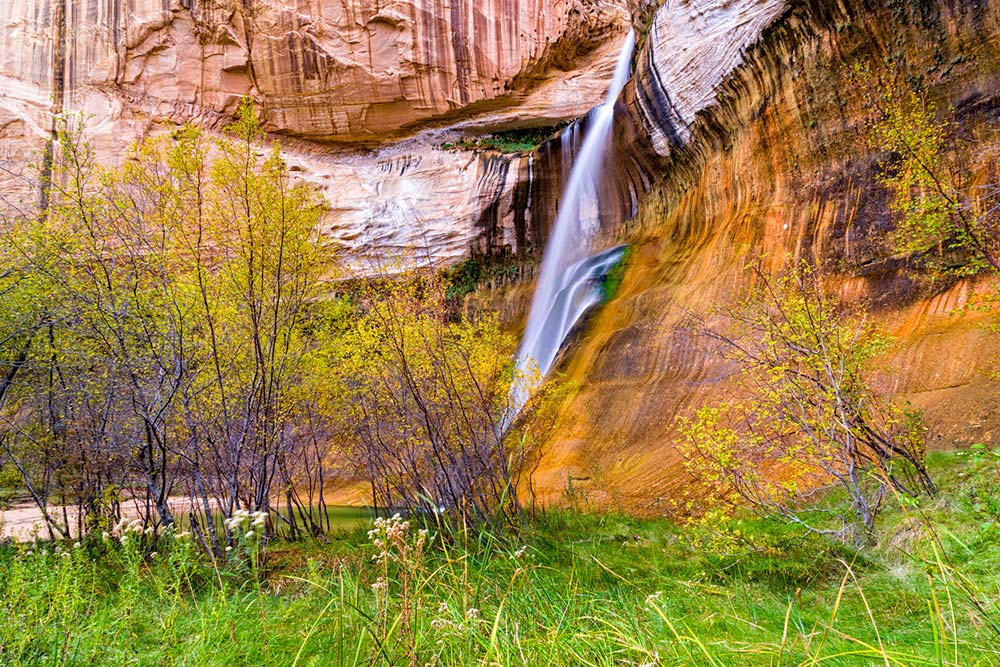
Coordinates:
(572, 589)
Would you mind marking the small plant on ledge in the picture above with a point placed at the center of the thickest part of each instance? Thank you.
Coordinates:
(507, 141)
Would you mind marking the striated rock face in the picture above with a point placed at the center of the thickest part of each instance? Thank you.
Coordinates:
(769, 162)
(353, 69)
(410, 202)
(359, 70)
(691, 47)
(353, 72)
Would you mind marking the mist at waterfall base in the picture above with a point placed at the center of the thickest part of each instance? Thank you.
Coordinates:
(570, 279)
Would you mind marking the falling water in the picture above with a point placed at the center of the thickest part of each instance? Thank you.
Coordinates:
(569, 282)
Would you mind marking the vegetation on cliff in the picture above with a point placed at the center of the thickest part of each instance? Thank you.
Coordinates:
(508, 141)
(944, 217)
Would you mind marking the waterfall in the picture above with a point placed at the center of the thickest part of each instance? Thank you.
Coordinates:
(569, 281)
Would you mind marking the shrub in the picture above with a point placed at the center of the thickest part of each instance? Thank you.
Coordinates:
(806, 419)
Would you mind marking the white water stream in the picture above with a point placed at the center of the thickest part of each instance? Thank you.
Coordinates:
(569, 281)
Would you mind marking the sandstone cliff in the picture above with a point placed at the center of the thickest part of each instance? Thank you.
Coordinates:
(334, 75)
(739, 137)
(772, 164)
(357, 70)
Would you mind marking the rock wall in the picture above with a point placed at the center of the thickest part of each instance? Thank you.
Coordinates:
(771, 163)
(357, 72)
(689, 48)
(738, 138)
(692, 45)
(358, 68)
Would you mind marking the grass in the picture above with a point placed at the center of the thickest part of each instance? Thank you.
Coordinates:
(338, 518)
(572, 589)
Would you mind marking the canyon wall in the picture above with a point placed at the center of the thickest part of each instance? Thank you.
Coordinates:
(360, 70)
(775, 167)
(365, 93)
(740, 137)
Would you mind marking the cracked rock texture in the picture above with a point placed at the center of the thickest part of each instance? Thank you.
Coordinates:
(349, 70)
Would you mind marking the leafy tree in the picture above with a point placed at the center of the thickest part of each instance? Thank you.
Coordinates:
(938, 208)
(805, 419)
(947, 212)
(177, 286)
(25, 318)
(425, 397)
(174, 336)
(258, 265)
